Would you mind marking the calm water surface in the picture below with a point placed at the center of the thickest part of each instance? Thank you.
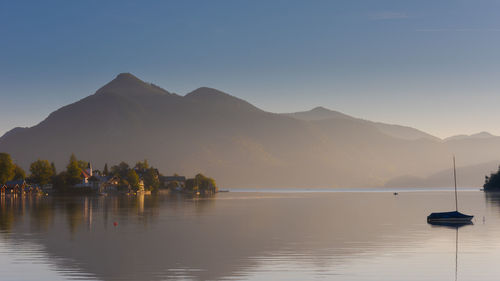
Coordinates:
(249, 236)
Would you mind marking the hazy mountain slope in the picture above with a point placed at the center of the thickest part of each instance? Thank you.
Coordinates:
(319, 113)
(240, 145)
(404, 132)
(398, 131)
(472, 151)
(467, 176)
(481, 135)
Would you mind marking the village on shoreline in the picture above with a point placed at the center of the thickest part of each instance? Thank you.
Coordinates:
(79, 178)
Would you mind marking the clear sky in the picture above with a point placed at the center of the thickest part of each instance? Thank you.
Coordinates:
(433, 65)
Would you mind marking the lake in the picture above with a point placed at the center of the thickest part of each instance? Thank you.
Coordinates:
(250, 235)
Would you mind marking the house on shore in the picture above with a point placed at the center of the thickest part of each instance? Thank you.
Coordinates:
(18, 187)
(109, 184)
(180, 180)
(89, 180)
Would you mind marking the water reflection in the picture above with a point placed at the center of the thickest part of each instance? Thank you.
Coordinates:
(455, 226)
(241, 236)
(493, 199)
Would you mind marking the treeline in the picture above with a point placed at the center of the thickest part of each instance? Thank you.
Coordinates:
(492, 182)
(43, 173)
(9, 170)
(131, 176)
(201, 183)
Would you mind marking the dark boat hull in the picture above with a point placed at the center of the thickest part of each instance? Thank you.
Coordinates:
(450, 224)
(451, 217)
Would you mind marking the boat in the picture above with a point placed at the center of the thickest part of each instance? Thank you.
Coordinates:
(453, 216)
(449, 217)
(452, 225)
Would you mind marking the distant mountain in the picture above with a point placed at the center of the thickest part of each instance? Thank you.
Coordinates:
(319, 113)
(397, 131)
(467, 176)
(481, 135)
(239, 144)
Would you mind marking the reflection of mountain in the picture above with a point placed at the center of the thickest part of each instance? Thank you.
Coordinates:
(235, 142)
(162, 237)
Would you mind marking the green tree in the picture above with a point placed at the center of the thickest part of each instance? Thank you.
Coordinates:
(60, 181)
(205, 184)
(19, 173)
(133, 179)
(83, 164)
(151, 179)
(6, 168)
(120, 170)
(41, 172)
(73, 171)
(142, 166)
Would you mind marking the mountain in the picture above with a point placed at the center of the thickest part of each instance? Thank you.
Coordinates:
(481, 135)
(467, 176)
(319, 113)
(240, 145)
(397, 131)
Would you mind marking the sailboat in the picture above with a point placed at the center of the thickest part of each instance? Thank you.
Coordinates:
(453, 216)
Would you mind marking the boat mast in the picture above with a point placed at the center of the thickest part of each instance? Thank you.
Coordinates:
(455, 178)
(456, 253)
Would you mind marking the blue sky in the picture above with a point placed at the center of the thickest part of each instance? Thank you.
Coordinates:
(434, 65)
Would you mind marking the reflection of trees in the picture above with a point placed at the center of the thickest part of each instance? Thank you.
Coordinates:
(73, 215)
(203, 204)
(41, 211)
(493, 199)
(12, 209)
(63, 226)
(77, 210)
(7, 213)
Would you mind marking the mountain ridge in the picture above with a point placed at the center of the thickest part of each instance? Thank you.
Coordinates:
(480, 135)
(399, 131)
(240, 145)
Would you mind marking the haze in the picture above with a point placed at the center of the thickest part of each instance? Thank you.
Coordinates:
(432, 65)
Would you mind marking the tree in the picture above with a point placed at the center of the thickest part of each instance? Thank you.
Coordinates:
(53, 166)
(191, 185)
(105, 171)
(19, 173)
(41, 172)
(73, 171)
(6, 168)
(133, 179)
(173, 184)
(205, 184)
(83, 164)
(142, 166)
(60, 181)
(492, 183)
(120, 170)
(151, 179)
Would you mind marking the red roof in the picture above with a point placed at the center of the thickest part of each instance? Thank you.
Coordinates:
(85, 174)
